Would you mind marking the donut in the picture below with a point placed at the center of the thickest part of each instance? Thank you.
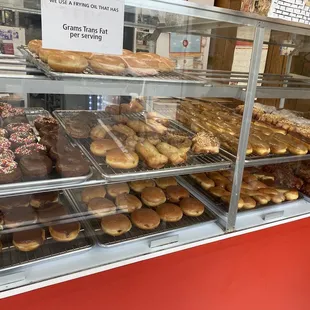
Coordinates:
(9, 171)
(145, 218)
(12, 112)
(35, 165)
(20, 138)
(4, 144)
(40, 199)
(100, 147)
(163, 183)
(29, 149)
(51, 211)
(65, 232)
(101, 206)
(176, 192)
(93, 192)
(51, 129)
(116, 224)
(139, 185)
(169, 212)
(11, 202)
(15, 119)
(119, 159)
(42, 121)
(18, 127)
(78, 130)
(67, 63)
(44, 53)
(153, 196)
(7, 154)
(59, 150)
(4, 133)
(98, 132)
(72, 166)
(116, 189)
(108, 64)
(34, 46)
(19, 216)
(86, 117)
(50, 140)
(29, 240)
(127, 202)
(192, 206)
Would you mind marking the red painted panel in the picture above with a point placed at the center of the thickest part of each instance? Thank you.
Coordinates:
(264, 270)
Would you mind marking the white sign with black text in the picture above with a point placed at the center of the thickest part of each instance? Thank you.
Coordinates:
(84, 25)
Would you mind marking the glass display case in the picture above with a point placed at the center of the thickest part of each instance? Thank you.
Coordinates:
(111, 159)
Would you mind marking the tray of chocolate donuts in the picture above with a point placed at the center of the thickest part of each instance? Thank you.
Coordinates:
(58, 64)
(215, 188)
(140, 145)
(39, 227)
(35, 151)
(128, 211)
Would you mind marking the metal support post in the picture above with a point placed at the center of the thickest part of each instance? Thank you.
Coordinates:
(245, 127)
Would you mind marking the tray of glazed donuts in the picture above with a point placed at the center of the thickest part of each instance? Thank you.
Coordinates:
(139, 209)
(34, 151)
(215, 188)
(37, 227)
(140, 145)
(58, 64)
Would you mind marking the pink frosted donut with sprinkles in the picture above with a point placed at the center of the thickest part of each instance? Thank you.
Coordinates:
(18, 127)
(4, 143)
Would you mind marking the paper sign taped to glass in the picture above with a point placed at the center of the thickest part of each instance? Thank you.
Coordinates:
(86, 26)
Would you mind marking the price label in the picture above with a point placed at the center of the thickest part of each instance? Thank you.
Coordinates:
(86, 26)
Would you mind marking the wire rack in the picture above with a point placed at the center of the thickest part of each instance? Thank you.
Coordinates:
(136, 233)
(217, 203)
(195, 163)
(172, 77)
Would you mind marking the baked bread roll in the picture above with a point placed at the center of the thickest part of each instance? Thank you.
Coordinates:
(153, 196)
(174, 155)
(169, 212)
(145, 218)
(218, 191)
(116, 189)
(157, 127)
(248, 202)
(203, 180)
(151, 155)
(163, 183)
(260, 147)
(127, 202)
(101, 207)
(139, 185)
(292, 194)
(113, 65)
(262, 199)
(255, 185)
(226, 198)
(122, 159)
(293, 146)
(192, 206)
(93, 192)
(65, 232)
(44, 53)
(278, 198)
(116, 224)
(268, 191)
(138, 67)
(29, 240)
(64, 62)
(139, 126)
(34, 46)
(100, 147)
(175, 193)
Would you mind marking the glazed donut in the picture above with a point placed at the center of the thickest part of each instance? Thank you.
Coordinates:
(67, 63)
(101, 207)
(248, 202)
(98, 132)
(218, 191)
(153, 196)
(145, 218)
(176, 192)
(127, 202)
(100, 147)
(277, 198)
(292, 194)
(139, 185)
(34, 46)
(203, 180)
(226, 199)
(119, 159)
(169, 212)
(192, 206)
(116, 224)
(163, 183)
(93, 192)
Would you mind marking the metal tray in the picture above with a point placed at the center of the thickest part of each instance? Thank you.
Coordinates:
(136, 233)
(12, 258)
(194, 164)
(171, 77)
(53, 179)
(218, 205)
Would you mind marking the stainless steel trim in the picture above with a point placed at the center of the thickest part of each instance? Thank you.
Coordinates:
(245, 127)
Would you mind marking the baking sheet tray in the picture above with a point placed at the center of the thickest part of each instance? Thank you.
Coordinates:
(171, 77)
(53, 179)
(194, 164)
(218, 205)
(12, 258)
(136, 233)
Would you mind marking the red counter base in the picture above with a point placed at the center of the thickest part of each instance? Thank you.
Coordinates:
(264, 270)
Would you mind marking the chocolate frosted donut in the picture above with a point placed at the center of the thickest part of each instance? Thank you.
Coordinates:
(50, 140)
(86, 117)
(12, 202)
(78, 130)
(9, 171)
(21, 138)
(65, 232)
(51, 211)
(42, 121)
(15, 119)
(40, 199)
(18, 127)
(72, 166)
(51, 129)
(19, 216)
(29, 149)
(28, 240)
(63, 150)
(35, 165)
